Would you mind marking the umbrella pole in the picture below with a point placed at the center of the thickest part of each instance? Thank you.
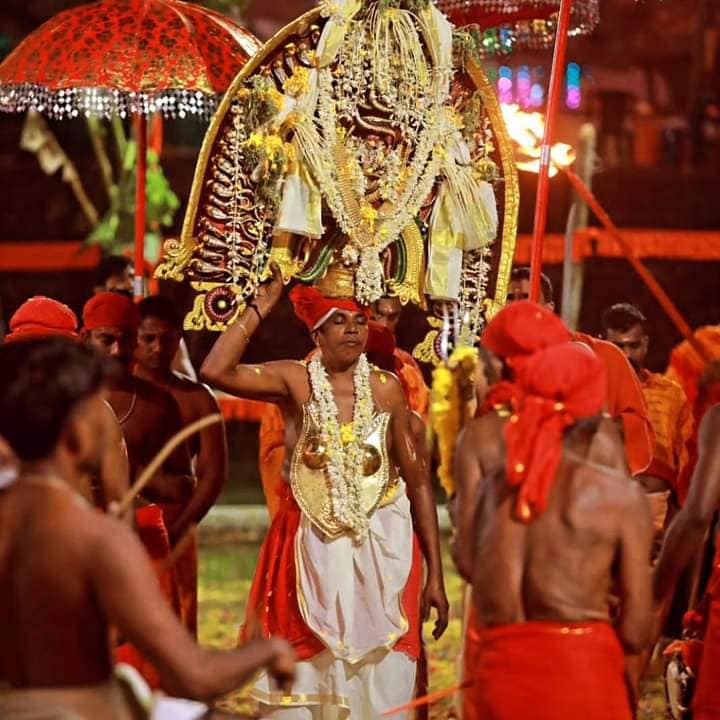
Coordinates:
(140, 174)
(543, 185)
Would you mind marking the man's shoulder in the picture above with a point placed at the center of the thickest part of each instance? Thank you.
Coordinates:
(711, 420)
(661, 382)
(199, 393)
(155, 403)
(150, 392)
(489, 424)
(385, 383)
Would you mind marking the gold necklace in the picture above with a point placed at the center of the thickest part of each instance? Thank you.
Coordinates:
(126, 416)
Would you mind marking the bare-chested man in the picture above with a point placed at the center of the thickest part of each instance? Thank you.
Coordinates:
(149, 417)
(67, 572)
(556, 530)
(40, 317)
(355, 491)
(159, 336)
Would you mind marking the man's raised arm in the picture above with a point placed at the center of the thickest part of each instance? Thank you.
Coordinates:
(684, 538)
(222, 367)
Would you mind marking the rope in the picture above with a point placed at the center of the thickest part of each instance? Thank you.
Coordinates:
(428, 699)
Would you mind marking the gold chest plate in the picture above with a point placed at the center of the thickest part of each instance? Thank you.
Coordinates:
(309, 478)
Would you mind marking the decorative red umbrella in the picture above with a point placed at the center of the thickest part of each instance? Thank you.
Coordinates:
(127, 57)
(507, 24)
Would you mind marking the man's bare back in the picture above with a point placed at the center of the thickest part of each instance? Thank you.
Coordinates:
(562, 565)
(58, 638)
(68, 572)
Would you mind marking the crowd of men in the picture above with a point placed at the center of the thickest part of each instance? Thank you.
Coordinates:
(585, 488)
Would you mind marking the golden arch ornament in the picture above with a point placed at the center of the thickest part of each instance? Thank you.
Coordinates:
(365, 137)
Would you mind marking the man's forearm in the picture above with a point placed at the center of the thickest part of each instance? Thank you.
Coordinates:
(426, 525)
(204, 497)
(683, 541)
(216, 672)
(228, 349)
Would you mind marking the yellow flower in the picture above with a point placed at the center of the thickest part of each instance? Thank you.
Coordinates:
(347, 435)
(255, 141)
(464, 357)
(445, 422)
(298, 83)
(369, 215)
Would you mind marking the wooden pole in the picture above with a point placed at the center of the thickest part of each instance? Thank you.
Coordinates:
(543, 186)
(574, 272)
(648, 278)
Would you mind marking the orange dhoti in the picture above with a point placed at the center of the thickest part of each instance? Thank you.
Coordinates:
(185, 570)
(153, 534)
(549, 671)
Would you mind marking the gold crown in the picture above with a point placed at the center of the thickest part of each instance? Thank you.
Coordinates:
(338, 282)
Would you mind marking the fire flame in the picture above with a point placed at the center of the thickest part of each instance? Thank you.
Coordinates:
(526, 130)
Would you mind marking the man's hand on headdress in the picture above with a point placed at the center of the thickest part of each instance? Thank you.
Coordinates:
(269, 292)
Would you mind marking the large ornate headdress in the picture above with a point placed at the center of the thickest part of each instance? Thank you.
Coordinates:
(363, 140)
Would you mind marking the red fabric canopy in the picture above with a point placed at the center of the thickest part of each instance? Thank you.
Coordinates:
(126, 56)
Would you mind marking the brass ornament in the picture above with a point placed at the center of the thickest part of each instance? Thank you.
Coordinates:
(314, 453)
(310, 485)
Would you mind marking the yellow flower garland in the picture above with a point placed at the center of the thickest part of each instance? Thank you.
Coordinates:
(446, 408)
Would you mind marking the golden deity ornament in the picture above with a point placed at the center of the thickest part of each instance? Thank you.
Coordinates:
(363, 136)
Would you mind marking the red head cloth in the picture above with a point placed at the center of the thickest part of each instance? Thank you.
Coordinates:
(313, 308)
(40, 317)
(559, 385)
(521, 329)
(380, 339)
(110, 309)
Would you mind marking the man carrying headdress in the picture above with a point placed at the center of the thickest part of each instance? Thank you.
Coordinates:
(336, 575)
(556, 527)
(381, 343)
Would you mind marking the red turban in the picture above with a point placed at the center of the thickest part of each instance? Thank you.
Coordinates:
(521, 329)
(559, 385)
(110, 309)
(40, 317)
(380, 339)
(313, 308)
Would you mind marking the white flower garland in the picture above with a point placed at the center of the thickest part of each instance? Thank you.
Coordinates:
(345, 460)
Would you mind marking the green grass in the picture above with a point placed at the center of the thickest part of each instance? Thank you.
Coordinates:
(225, 574)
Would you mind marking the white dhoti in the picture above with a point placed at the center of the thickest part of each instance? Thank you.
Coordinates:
(350, 597)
